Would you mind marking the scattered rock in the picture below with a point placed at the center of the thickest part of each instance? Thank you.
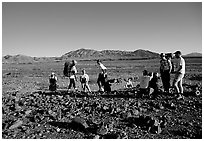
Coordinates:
(18, 123)
(97, 137)
(135, 112)
(28, 112)
(78, 121)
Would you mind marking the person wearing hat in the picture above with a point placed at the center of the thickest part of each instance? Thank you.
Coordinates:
(72, 76)
(165, 70)
(179, 74)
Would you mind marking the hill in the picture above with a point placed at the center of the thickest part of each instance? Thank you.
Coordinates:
(108, 54)
(194, 54)
(84, 54)
(17, 59)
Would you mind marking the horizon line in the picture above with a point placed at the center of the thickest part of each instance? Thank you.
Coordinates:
(94, 50)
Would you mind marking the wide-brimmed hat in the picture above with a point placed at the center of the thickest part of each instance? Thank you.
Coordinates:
(177, 52)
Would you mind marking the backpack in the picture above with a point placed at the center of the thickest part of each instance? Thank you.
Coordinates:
(67, 69)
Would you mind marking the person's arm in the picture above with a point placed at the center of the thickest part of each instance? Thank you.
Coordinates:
(150, 78)
(160, 66)
(170, 66)
(87, 78)
(75, 72)
(80, 78)
(75, 76)
(131, 84)
(180, 66)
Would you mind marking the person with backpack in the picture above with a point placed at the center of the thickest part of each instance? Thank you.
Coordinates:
(165, 70)
(84, 79)
(70, 71)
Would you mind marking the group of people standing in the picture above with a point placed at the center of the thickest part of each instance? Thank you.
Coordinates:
(167, 67)
(147, 80)
(70, 71)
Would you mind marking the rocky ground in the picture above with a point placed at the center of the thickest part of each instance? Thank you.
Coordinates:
(120, 114)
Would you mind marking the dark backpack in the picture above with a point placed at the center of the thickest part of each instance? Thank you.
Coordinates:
(67, 69)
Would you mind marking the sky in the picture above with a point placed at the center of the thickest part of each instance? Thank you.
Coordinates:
(52, 29)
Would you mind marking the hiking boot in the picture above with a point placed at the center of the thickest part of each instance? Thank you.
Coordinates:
(179, 97)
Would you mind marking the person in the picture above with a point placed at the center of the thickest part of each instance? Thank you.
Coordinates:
(129, 83)
(102, 67)
(179, 74)
(144, 83)
(165, 70)
(53, 82)
(72, 76)
(102, 77)
(154, 84)
(84, 79)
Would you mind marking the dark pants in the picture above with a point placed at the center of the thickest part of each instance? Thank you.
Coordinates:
(165, 76)
(144, 92)
(72, 82)
(53, 87)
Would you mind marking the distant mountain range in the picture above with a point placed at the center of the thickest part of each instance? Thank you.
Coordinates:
(88, 54)
(108, 54)
(194, 54)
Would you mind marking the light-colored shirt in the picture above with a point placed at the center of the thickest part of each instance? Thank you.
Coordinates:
(180, 62)
(102, 66)
(144, 81)
(129, 84)
(53, 78)
(86, 77)
(73, 69)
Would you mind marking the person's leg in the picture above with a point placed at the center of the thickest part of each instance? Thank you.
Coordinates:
(88, 88)
(167, 81)
(74, 84)
(163, 80)
(99, 83)
(179, 86)
(168, 78)
(175, 83)
(180, 83)
(82, 87)
(70, 84)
